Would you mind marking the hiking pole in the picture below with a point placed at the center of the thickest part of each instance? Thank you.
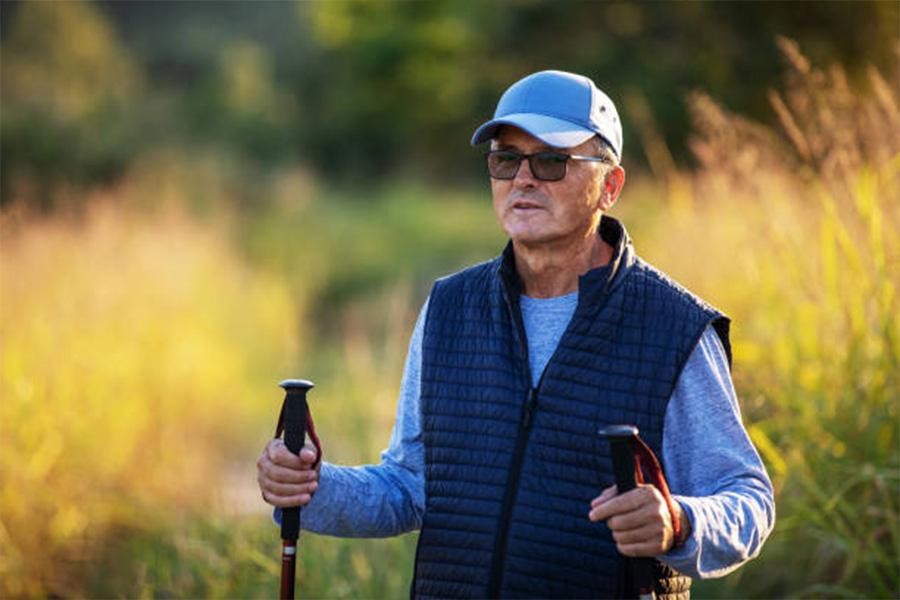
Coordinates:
(294, 420)
(638, 571)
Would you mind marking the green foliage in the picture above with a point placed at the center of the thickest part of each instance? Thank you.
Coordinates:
(64, 59)
(415, 63)
(68, 92)
(363, 90)
(201, 557)
(239, 105)
(350, 244)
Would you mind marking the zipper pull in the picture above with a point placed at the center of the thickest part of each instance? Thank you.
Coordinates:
(528, 410)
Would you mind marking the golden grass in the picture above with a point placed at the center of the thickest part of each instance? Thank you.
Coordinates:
(794, 232)
(133, 352)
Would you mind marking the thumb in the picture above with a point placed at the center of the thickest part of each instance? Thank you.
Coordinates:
(308, 454)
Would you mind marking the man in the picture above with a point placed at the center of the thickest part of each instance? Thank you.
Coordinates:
(513, 367)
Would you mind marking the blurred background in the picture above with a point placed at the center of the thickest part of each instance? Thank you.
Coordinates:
(199, 199)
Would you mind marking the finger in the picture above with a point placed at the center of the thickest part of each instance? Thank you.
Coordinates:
(308, 454)
(618, 504)
(630, 501)
(654, 514)
(279, 454)
(605, 495)
(646, 515)
(642, 535)
(655, 536)
(641, 549)
(287, 501)
(290, 489)
(272, 472)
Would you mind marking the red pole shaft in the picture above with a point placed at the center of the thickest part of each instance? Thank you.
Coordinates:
(288, 568)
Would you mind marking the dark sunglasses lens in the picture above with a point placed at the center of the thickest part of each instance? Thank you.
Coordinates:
(549, 166)
(503, 165)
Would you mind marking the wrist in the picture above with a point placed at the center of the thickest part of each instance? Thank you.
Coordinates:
(684, 531)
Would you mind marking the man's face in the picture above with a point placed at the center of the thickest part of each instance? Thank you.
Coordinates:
(534, 212)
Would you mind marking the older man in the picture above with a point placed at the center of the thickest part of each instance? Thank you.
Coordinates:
(513, 367)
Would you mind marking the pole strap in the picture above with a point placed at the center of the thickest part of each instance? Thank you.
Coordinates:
(645, 462)
(310, 432)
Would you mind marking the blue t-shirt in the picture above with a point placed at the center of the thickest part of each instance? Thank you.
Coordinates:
(545, 321)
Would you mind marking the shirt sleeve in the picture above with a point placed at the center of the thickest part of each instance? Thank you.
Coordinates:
(388, 498)
(713, 470)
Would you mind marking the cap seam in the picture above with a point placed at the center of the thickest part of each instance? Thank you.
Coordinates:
(543, 114)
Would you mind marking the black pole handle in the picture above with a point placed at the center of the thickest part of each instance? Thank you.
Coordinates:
(294, 416)
(621, 440)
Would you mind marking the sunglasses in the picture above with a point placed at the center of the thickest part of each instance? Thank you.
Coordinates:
(545, 166)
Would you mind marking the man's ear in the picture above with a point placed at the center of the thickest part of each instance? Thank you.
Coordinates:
(613, 183)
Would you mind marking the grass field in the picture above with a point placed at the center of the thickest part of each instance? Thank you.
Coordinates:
(142, 337)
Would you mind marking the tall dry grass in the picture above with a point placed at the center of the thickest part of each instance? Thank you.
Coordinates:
(134, 352)
(793, 231)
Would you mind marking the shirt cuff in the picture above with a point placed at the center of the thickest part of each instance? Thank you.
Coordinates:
(683, 558)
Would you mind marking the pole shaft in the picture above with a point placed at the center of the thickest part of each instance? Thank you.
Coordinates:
(288, 569)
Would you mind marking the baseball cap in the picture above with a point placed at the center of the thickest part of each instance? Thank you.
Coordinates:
(561, 109)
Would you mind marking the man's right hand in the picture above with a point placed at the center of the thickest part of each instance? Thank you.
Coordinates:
(286, 479)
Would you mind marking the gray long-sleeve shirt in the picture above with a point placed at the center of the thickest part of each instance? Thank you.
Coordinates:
(713, 470)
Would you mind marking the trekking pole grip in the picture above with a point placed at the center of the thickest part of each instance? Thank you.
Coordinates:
(621, 439)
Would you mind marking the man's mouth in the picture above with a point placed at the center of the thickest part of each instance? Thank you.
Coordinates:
(526, 205)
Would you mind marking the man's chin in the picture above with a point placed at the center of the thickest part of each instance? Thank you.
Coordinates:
(530, 237)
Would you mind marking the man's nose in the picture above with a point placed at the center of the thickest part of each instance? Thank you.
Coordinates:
(524, 176)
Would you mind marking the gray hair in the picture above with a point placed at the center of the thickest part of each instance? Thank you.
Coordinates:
(605, 151)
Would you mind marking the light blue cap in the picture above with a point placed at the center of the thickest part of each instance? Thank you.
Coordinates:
(561, 109)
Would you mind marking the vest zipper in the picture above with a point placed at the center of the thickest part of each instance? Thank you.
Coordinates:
(528, 409)
(512, 489)
(512, 483)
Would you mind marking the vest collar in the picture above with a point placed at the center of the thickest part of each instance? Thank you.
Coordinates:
(600, 280)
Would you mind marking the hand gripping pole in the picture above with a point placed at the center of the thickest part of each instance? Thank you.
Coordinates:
(638, 576)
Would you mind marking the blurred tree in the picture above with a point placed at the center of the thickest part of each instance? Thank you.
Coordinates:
(409, 81)
(372, 88)
(64, 59)
(239, 104)
(68, 88)
(391, 82)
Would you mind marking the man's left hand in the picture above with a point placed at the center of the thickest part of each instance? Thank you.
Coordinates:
(639, 520)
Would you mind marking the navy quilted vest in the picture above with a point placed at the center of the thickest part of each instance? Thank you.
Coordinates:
(511, 470)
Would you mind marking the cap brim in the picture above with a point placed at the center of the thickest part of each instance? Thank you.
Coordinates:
(550, 130)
